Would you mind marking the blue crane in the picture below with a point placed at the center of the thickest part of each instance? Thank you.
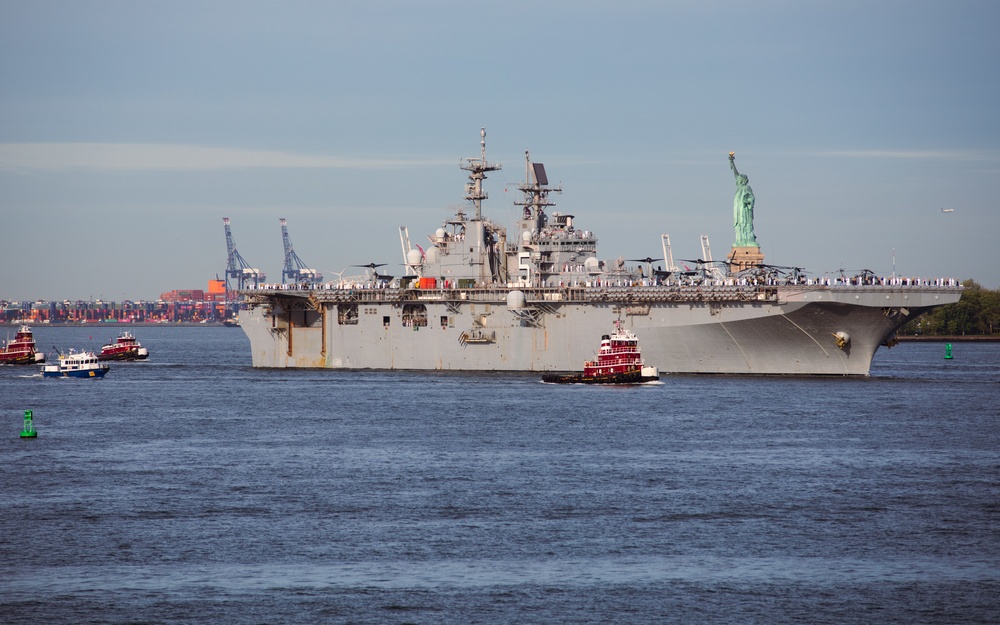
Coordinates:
(238, 268)
(295, 270)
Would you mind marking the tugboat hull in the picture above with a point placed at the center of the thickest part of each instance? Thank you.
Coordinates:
(618, 378)
(130, 355)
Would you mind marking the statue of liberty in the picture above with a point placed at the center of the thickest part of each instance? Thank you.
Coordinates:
(742, 208)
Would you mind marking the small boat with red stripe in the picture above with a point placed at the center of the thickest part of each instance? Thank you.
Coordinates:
(618, 361)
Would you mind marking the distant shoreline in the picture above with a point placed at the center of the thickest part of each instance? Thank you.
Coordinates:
(949, 339)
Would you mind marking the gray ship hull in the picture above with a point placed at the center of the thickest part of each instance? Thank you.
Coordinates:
(787, 330)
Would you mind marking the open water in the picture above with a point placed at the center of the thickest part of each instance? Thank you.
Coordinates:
(193, 488)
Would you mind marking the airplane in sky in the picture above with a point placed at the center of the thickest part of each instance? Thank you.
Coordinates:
(947, 210)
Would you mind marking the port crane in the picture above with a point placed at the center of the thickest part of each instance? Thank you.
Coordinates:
(238, 268)
(295, 270)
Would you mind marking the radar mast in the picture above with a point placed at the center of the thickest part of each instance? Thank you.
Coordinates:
(477, 168)
(536, 192)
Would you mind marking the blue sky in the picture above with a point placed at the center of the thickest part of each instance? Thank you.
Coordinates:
(128, 130)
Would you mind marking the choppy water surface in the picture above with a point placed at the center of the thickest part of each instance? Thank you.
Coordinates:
(193, 488)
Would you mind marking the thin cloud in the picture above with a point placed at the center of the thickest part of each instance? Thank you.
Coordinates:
(157, 156)
(937, 155)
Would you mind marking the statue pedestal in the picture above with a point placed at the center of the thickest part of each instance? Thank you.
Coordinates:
(741, 258)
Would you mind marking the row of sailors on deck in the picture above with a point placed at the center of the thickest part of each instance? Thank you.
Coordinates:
(649, 282)
(326, 286)
(883, 281)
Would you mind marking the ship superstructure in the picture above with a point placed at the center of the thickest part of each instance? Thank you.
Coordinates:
(481, 299)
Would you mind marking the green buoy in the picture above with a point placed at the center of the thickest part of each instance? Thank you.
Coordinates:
(947, 351)
(29, 427)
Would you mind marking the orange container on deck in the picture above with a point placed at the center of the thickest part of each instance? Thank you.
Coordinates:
(428, 283)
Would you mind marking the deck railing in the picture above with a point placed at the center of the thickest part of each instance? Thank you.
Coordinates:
(719, 291)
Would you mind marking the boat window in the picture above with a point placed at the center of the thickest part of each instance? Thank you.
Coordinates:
(347, 314)
(414, 316)
(385, 321)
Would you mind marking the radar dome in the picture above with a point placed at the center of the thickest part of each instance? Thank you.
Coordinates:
(526, 236)
(516, 299)
(592, 265)
(431, 256)
(439, 233)
(413, 257)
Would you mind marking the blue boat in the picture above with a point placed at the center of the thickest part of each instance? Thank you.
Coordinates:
(76, 365)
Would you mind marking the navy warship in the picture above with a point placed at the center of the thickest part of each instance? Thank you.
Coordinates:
(480, 299)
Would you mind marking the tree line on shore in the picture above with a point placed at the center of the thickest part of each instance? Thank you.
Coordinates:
(976, 314)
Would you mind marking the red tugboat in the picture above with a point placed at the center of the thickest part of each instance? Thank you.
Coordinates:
(618, 362)
(125, 347)
(21, 351)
